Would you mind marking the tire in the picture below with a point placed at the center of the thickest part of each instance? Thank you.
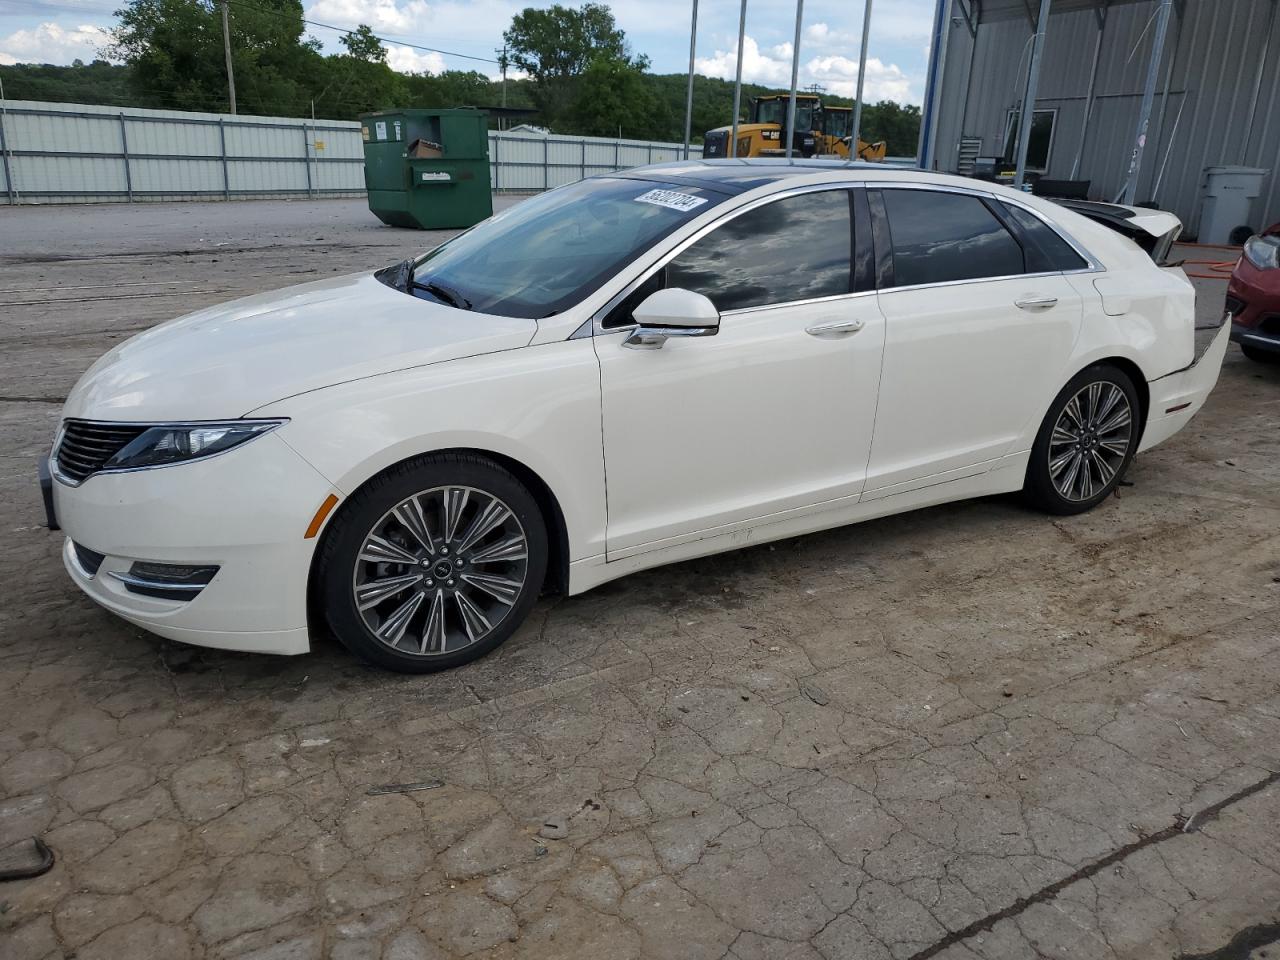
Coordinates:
(1260, 356)
(1099, 457)
(433, 563)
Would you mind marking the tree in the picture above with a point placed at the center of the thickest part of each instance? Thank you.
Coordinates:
(174, 50)
(613, 95)
(558, 45)
(363, 45)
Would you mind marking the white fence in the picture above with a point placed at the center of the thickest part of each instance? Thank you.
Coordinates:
(77, 153)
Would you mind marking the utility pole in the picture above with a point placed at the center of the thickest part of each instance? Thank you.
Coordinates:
(504, 74)
(862, 75)
(226, 47)
(688, 100)
(795, 74)
(737, 80)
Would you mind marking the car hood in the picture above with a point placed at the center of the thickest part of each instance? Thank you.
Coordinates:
(228, 360)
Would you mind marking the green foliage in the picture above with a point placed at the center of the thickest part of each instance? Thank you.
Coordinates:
(569, 53)
(581, 75)
(363, 45)
(97, 82)
(174, 48)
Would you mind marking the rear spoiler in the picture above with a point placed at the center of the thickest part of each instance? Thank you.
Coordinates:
(1155, 231)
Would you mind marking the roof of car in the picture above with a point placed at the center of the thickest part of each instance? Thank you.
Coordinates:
(734, 176)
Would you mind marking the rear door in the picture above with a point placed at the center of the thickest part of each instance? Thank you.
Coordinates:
(979, 321)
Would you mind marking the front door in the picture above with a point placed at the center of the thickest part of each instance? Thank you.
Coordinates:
(774, 412)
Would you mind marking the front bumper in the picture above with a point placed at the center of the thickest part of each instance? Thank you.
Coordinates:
(1176, 398)
(245, 512)
(1253, 337)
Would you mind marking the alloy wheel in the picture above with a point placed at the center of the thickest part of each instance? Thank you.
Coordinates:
(1090, 440)
(440, 570)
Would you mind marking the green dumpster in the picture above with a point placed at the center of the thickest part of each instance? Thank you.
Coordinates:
(427, 168)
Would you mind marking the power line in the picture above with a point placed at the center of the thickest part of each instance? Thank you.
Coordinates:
(329, 26)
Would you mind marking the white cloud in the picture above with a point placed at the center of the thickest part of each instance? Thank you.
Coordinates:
(838, 74)
(756, 67)
(381, 15)
(409, 60)
(51, 43)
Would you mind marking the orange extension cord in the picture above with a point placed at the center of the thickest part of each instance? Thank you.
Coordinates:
(1218, 269)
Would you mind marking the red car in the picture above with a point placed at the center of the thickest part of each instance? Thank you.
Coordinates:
(1253, 298)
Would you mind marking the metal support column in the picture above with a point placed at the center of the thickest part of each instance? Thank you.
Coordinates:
(1148, 95)
(737, 80)
(124, 149)
(546, 165)
(306, 157)
(10, 191)
(1027, 115)
(226, 174)
(688, 99)
(927, 146)
(790, 132)
(1264, 63)
(1100, 13)
(862, 74)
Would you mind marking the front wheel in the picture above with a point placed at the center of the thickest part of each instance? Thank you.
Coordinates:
(433, 563)
(1086, 443)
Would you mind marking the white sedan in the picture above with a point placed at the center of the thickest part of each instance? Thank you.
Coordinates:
(624, 372)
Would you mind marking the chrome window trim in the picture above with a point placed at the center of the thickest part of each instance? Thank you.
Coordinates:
(597, 318)
(1094, 264)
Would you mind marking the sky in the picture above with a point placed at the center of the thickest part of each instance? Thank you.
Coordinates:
(59, 31)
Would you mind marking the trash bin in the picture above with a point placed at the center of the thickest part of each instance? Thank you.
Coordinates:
(427, 168)
(1226, 198)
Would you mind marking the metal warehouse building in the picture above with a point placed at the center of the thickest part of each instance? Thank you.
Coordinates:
(1209, 70)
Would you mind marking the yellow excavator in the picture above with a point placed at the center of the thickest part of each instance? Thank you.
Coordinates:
(821, 131)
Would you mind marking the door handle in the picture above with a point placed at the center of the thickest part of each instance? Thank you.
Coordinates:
(834, 328)
(1036, 303)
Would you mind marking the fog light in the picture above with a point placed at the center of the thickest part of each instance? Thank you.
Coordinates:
(167, 581)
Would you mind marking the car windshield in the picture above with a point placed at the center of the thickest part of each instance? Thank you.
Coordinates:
(545, 254)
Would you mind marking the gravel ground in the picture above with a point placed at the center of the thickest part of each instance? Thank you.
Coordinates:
(967, 732)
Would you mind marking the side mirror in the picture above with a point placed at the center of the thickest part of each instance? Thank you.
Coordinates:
(673, 312)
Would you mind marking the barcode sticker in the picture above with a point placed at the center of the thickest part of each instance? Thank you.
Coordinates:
(673, 199)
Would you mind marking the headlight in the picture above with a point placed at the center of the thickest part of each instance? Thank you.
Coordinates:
(166, 444)
(1263, 252)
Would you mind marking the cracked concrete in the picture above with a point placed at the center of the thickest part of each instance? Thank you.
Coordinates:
(969, 732)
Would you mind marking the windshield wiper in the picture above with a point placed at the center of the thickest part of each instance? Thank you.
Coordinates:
(441, 292)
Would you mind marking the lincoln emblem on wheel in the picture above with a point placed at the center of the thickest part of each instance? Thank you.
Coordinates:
(628, 371)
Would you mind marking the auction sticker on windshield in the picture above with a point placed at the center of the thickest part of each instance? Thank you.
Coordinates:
(673, 199)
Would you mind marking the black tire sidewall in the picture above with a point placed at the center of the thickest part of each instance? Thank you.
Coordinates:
(346, 533)
(1039, 485)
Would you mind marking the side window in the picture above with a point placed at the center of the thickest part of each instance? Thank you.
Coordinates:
(937, 237)
(1046, 250)
(792, 249)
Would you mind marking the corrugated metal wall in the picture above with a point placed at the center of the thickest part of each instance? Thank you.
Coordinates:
(1212, 61)
(66, 153)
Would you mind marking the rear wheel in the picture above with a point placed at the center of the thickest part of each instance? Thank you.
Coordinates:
(1086, 443)
(1260, 356)
(434, 563)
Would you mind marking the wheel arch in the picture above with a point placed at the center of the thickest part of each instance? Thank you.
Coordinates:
(1130, 369)
(557, 578)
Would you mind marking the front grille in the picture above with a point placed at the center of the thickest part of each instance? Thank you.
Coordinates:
(86, 446)
(1271, 325)
(89, 560)
(715, 145)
